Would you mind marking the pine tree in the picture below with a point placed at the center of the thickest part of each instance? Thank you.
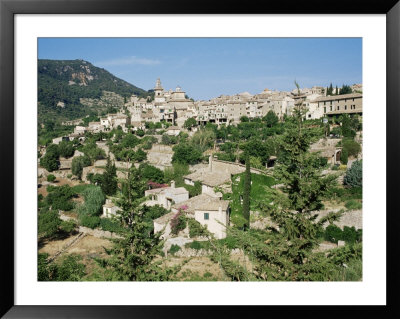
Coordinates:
(246, 192)
(286, 252)
(133, 256)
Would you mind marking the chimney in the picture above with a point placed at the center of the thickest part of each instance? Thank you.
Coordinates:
(172, 184)
(210, 163)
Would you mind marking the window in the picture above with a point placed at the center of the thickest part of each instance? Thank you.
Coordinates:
(345, 107)
(206, 216)
(331, 107)
(324, 109)
(338, 107)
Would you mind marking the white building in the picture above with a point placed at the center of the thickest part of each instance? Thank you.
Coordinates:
(110, 209)
(166, 196)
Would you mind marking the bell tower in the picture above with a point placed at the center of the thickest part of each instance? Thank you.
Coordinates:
(159, 92)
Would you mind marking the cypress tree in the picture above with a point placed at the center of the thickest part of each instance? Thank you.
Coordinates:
(109, 180)
(246, 192)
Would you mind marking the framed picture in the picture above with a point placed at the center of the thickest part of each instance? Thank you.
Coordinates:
(361, 35)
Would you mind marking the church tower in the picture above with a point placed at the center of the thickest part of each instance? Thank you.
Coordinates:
(159, 92)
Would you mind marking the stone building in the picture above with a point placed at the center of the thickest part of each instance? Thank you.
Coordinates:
(340, 104)
(110, 209)
(166, 196)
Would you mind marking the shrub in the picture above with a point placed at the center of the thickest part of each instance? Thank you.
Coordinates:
(140, 132)
(68, 226)
(110, 225)
(351, 147)
(48, 223)
(90, 221)
(344, 157)
(229, 157)
(151, 173)
(50, 161)
(51, 178)
(168, 140)
(196, 229)
(174, 249)
(195, 245)
(66, 149)
(78, 163)
(353, 177)
(94, 200)
(60, 198)
(333, 233)
(70, 269)
(178, 222)
(351, 235)
(353, 204)
(193, 190)
(230, 242)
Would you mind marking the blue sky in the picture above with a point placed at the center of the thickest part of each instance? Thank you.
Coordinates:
(208, 67)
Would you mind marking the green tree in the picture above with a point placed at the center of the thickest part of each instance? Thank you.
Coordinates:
(140, 132)
(50, 160)
(246, 193)
(185, 153)
(132, 257)
(151, 173)
(66, 149)
(346, 89)
(271, 119)
(78, 163)
(70, 269)
(60, 198)
(48, 223)
(109, 182)
(189, 123)
(93, 151)
(204, 139)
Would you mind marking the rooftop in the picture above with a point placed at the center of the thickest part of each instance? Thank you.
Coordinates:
(202, 202)
(209, 178)
(338, 97)
(165, 218)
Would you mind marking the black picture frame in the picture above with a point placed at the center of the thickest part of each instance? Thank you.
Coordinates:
(9, 8)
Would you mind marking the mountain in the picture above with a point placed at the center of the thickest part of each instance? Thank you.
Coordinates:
(69, 89)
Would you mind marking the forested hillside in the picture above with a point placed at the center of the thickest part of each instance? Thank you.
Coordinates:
(63, 83)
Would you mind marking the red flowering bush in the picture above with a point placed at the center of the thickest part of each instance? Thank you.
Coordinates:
(178, 222)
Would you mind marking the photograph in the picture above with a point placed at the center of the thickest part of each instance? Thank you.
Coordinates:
(200, 159)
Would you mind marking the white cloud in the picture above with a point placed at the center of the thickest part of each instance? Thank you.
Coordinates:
(132, 60)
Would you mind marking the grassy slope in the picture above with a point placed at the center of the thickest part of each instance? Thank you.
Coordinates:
(260, 190)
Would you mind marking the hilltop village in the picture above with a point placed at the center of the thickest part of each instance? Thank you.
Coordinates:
(195, 173)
